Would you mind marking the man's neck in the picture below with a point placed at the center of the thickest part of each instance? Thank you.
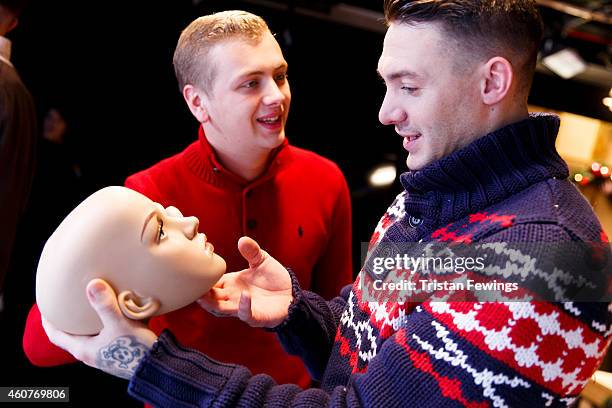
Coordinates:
(248, 164)
(501, 116)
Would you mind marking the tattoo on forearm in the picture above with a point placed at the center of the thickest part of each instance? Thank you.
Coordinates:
(121, 357)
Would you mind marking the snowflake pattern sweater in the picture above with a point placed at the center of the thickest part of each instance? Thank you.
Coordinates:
(508, 186)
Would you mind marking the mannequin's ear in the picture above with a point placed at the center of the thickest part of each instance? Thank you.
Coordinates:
(196, 101)
(136, 307)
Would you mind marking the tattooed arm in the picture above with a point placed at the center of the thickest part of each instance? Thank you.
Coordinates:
(118, 348)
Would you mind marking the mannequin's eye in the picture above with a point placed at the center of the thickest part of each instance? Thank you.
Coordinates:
(160, 232)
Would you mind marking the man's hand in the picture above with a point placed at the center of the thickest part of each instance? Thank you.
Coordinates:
(121, 344)
(259, 295)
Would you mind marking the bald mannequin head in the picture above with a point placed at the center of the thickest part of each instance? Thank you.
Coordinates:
(154, 258)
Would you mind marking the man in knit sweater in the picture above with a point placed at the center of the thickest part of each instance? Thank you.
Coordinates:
(482, 171)
(242, 177)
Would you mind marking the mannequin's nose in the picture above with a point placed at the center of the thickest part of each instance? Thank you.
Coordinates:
(173, 211)
(188, 225)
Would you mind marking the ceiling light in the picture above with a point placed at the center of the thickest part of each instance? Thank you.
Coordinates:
(382, 175)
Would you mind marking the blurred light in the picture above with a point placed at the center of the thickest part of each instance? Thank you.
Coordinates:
(595, 167)
(383, 175)
(604, 171)
(608, 101)
(578, 178)
(565, 63)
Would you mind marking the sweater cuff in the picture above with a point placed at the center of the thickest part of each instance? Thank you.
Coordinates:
(297, 294)
(170, 375)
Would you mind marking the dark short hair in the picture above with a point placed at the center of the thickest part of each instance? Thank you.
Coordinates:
(484, 28)
(15, 6)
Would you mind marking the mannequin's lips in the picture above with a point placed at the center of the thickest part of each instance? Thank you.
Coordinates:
(207, 245)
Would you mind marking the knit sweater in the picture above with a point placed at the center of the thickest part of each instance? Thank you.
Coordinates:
(299, 210)
(508, 186)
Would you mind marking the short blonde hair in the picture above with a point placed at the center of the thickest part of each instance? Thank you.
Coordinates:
(190, 61)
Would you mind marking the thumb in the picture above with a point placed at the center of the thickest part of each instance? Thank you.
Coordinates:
(102, 298)
(250, 250)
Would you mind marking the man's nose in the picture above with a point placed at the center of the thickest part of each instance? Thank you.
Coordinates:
(273, 94)
(390, 113)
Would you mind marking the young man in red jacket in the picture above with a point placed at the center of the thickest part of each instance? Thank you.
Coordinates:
(242, 178)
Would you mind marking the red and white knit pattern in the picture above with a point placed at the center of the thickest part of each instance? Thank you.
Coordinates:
(540, 345)
(534, 339)
(395, 212)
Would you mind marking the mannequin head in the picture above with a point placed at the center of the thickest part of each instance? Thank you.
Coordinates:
(153, 257)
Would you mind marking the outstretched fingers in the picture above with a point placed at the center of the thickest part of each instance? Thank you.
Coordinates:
(245, 313)
(219, 308)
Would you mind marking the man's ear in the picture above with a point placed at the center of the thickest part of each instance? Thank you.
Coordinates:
(497, 80)
(136, 307)
(196, 100)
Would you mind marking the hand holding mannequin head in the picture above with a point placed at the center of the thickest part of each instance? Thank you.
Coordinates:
(154, 258)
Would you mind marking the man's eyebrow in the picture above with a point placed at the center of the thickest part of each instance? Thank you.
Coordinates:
(260, 72)
(400, 74)
(146, 222)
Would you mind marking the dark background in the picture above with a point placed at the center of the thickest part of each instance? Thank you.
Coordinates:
(110, 65)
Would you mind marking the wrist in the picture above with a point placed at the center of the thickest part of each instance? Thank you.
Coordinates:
(121, 356)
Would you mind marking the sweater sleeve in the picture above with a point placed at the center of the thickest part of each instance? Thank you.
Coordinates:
(310, 328)
(171, 375)
(431, 361)
(335, 267)
(37, 347)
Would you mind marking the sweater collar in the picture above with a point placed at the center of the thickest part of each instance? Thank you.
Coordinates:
(487, 171)
(203, 161)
